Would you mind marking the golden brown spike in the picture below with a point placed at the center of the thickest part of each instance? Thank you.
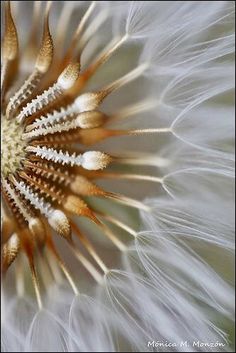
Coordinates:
(69, 76)
(90, 71)
(64, 269)
(91, 119)
(10, 40)
(38, 230)
(87, 244)
(85, 187)
(42, 65)
(10, 251)
(45, 55)
(28, 245)
(35, 280)
(60, 223)
(9, 50)
(7, 226)
(92, 136)
(82, 186)
(75, 205)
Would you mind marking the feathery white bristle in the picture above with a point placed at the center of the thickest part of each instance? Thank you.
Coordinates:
(141, 19)
(174, 282)
(179, 46)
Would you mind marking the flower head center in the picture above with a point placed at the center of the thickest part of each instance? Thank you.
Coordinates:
(13, 146)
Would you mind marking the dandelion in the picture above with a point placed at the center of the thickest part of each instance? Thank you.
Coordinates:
(117, 176)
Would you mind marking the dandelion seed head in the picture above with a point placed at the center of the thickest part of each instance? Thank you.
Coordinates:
(116, 174)
(44, 175)
(13, 147)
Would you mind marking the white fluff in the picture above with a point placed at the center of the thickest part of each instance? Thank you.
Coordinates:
(166, 288)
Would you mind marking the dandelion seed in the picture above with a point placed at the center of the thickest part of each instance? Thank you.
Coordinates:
(115, 187)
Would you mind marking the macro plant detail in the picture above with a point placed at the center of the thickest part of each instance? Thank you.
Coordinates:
(44, 175)
(59, 165)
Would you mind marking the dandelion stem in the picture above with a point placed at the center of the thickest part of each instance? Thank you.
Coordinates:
(77, 34)
(107, 231)
(143, 160)
(132, 110)
(20, 284)
(104, 175)
(128, 201)
(62, 266)
(147, 131)
(89, 247)
(118, 223)
(132, 75)
(103, 58)
(87, 265)
(35, 280)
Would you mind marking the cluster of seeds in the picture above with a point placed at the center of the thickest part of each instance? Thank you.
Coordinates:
(45, 177)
